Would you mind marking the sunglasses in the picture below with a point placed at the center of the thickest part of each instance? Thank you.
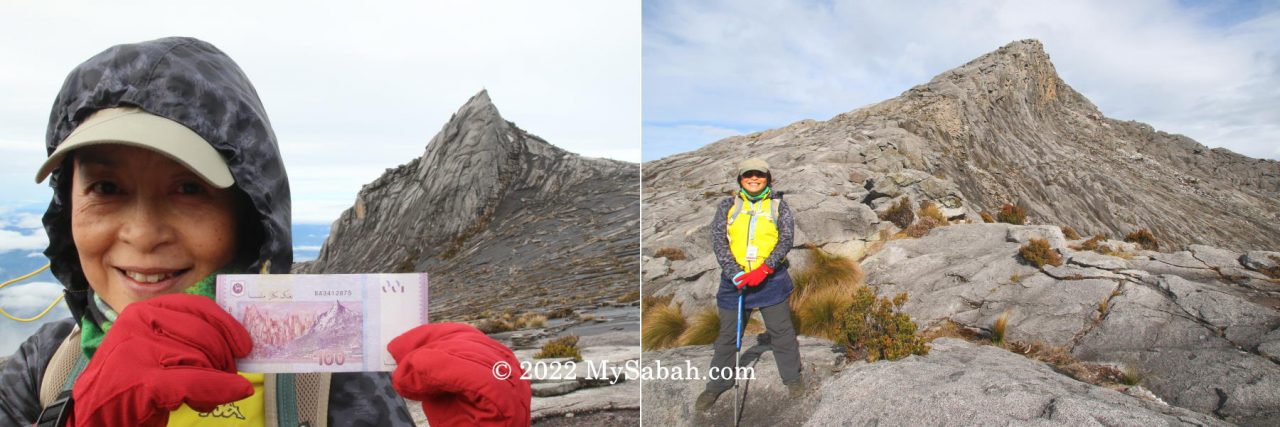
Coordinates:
(754, 174)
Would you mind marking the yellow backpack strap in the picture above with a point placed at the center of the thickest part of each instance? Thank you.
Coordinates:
(296, 400)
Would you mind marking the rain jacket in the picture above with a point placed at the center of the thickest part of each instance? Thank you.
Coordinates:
(193, 83)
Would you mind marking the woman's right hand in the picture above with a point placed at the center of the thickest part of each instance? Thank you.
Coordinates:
(159, 354)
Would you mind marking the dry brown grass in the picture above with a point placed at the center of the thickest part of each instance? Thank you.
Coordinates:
(703, 329)
(673, 254)
(1037, 252)
(999, 328)
(921, 227)
(1143, 238)
(629, 297)
(986, 217)
(1012, 214)
(1070, 233)
(661, 326)
(928, 209)
(900, 214)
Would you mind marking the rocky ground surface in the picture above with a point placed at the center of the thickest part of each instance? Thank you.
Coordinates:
(581, 393)
(957, 383)
(1201, 326)
(1197, 320)
(502, 220)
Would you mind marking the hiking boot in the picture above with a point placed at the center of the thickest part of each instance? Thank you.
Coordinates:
(706, 399)
(795, 388)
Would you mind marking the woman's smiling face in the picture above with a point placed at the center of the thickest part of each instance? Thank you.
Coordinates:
(753, 181)
(145, 225)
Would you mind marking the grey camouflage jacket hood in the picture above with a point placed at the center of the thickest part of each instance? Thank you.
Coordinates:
(191, 82)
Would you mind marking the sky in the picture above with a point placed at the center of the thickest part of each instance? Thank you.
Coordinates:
(350, 90)
(713, 69)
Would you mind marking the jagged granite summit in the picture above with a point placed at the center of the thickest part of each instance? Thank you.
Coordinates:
(498, 217)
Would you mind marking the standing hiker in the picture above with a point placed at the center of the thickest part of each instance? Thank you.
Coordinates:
(753, 261)
(166, 172)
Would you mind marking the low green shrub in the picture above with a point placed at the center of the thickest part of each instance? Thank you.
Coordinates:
(874, 328)
(566, 346)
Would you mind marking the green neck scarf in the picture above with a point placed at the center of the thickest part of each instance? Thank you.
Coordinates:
(763, 193)
(93, 330)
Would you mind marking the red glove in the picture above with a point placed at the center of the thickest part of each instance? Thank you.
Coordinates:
(159, 354)
(757, 276)
(453, 369)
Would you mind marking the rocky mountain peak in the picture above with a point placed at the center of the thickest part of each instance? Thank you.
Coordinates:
(491, 205)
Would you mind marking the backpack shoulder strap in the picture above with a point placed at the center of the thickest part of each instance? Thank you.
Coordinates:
(296, 399)
(734, 211)
(60, 367)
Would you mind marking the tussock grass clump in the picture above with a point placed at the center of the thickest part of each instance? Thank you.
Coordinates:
(531, 320)
(823, 271)
(999, 328)
(818, 314)
(1011, 214)
(921, 227)
(560, 313)
(654, 301)
(704, 328)
(928, 209)
(1070, 233)
(875, 328)
(661, 326)
(1038, 253)
(566, 346)
(824, 287)
(950, 329)
(673, 254)
(1143, 238)
(900, 213)
(629, 297)
(510, 322)
(986, 217)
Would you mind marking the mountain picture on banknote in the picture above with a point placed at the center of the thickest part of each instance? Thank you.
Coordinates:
(298, 332)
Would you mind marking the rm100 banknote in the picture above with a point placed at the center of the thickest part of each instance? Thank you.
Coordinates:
(323, 322)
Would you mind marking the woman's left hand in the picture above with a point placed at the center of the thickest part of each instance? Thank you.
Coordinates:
(757, 276)
(461, 376)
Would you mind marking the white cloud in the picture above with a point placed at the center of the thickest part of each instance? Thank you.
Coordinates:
(306, 248)
(35, 254)
(27, 299)
(16, 241)
(26, 220)
(764, 64)
(373, 83)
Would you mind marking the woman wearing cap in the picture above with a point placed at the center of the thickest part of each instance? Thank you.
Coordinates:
(751, 234)
(166, 173)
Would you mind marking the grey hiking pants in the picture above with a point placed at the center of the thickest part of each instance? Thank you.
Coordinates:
(782, 340)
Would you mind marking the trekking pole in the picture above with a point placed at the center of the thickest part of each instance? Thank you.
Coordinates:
(737, 360)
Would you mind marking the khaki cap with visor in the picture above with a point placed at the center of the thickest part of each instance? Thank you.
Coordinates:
(135, 127)
(752, 164)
